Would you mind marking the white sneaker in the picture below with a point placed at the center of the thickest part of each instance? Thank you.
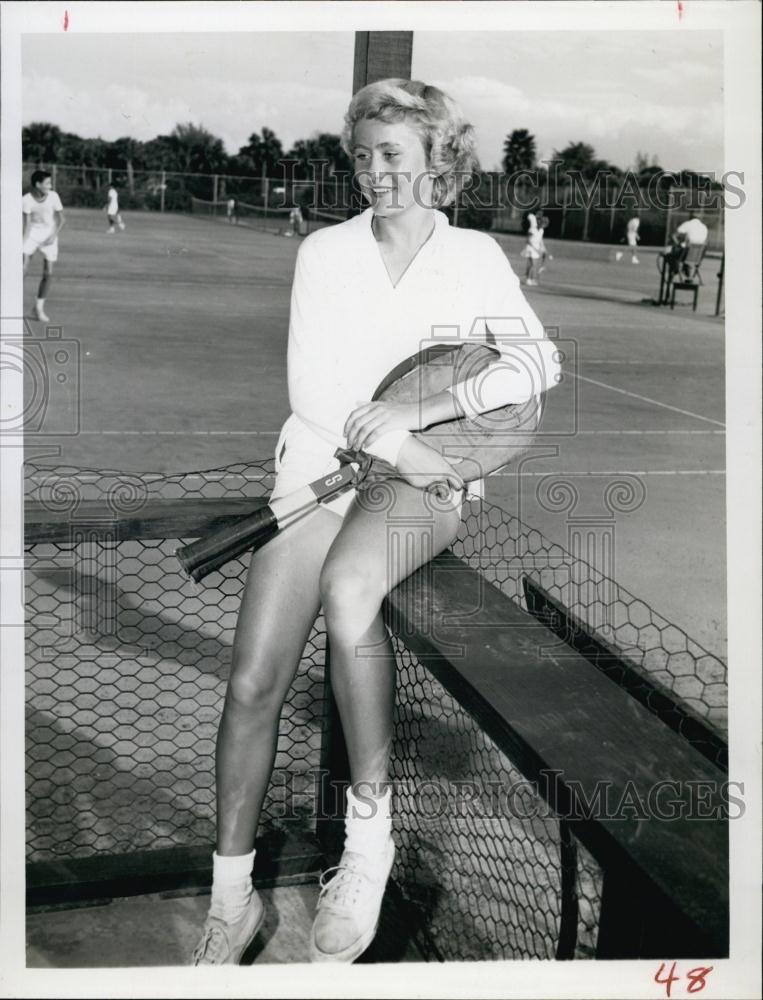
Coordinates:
(349, 906)
(619, 255)
(111, 230)
(121, 225)
(634, 260)
(531, 281)
(223, 943)
(41, 315)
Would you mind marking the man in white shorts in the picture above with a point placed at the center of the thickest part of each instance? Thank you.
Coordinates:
(43, 219)
(112, 210)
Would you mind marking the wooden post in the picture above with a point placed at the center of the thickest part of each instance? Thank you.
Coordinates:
(54, 175)
(585, 221)
(720, 285)
(381, 54)
(215, 183)
(108, 176)
(667, 216)
(161, 190)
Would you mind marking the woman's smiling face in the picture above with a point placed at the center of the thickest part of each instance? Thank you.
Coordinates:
(391, 166)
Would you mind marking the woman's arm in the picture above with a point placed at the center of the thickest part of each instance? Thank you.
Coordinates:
(529, 363)
(528, 366)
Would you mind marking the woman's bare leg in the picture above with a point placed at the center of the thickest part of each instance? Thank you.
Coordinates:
(279, 606)
(372, 553)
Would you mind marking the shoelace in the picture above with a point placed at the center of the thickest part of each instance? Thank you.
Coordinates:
(343, 890)
(214, 945)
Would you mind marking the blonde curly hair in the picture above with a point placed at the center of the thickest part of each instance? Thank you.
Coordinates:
(448, 140)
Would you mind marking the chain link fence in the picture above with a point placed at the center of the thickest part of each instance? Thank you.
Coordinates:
(127, 662)
(496, 205)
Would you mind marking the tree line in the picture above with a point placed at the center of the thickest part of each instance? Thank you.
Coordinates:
(188, 148)
(191, 148)
(520, 154)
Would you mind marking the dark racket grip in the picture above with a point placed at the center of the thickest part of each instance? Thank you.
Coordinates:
(207, 554)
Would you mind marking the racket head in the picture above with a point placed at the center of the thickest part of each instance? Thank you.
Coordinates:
(476, 445)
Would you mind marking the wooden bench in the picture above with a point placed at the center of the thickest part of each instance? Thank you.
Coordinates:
(665, 882)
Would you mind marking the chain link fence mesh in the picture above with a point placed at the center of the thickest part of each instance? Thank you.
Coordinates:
(495, 205)
(127, 662)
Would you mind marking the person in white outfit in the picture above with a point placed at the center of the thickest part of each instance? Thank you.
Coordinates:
(631, 238)
(112, 210)
(367, 293)
(533, 249)
(43, 219)
(693, 232)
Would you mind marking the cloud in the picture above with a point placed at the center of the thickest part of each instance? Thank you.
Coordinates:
(293, 110)
(683, 132)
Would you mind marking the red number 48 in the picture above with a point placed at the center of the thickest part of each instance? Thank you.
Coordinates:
(697, 978)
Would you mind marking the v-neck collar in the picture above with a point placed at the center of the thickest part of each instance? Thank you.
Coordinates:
(440, 223)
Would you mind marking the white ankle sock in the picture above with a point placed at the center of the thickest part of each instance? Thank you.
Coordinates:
(231, 885)
(368, 824)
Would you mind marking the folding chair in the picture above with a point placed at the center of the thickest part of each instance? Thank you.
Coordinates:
(688, 277)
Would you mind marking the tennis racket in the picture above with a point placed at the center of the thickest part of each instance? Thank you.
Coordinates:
(251, 532)
(476, 446)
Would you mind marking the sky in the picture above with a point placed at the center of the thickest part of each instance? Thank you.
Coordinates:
(624, 92)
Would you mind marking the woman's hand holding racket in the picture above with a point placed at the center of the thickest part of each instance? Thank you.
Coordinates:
(417, 463)
(368, 421)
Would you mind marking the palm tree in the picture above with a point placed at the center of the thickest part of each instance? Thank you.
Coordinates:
(40, 142)
(73, 152)
(519, 151)
(195, 150)
(262, 154)
(577, 156)
(127, 151)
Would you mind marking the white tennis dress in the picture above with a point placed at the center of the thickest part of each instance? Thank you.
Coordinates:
(349, 326)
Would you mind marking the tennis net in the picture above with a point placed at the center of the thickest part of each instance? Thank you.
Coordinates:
(279, 221)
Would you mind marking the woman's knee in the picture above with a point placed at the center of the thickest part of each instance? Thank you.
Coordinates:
(257, 687)
(345, 590)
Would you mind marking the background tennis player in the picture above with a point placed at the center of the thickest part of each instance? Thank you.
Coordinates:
(43, 219)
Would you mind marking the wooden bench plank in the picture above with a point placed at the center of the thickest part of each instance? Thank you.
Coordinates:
(550, 710)
(281, 857)
(659, 699)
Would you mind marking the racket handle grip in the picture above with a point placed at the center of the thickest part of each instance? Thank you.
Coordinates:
(201, 557)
